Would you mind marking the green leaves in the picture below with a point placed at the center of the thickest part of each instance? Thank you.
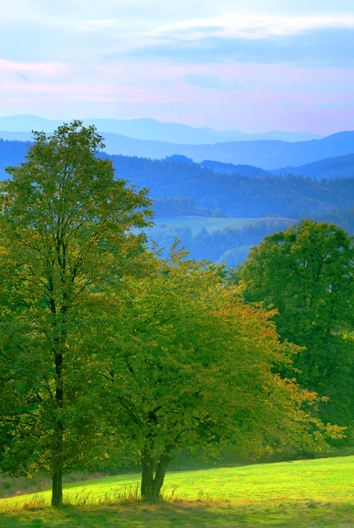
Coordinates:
(306, 273)
(113, 350)
(65, 231)
(185, 365)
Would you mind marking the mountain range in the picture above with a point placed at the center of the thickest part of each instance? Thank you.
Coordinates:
(217, 180)
(268, 154)
(13, 152)
(272, 155)
(145, 129)
(331, 168)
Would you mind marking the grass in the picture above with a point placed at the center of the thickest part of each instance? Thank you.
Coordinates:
(196, 223)
(317, 493)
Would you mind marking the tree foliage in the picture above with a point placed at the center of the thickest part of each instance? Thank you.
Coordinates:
(186, 365)
(306, 273)
(65, 225)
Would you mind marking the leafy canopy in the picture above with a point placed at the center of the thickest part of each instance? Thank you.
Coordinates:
(306, 273)
(65, 231)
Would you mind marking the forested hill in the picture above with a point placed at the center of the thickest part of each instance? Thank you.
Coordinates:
(11, 153)
(188, 189)
(269, 154)
(237, 195)
(338, 167)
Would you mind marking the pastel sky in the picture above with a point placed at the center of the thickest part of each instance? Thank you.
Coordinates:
(248, 65)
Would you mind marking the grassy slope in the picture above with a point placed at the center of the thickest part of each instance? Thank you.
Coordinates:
(318, 493)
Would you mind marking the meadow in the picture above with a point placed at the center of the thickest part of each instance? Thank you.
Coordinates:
(312, 493)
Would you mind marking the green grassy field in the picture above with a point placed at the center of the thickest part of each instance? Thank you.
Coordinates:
(317, 493)
(196, 223)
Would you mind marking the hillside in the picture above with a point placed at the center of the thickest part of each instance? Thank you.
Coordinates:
(11, 153)
(189, 199)
(237, 195)
(268, 154)
(332, 168)
(234, 195)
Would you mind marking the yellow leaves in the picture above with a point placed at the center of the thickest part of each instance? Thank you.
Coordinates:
(335, 431)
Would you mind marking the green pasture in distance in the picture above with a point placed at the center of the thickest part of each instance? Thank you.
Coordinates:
(196, 223)
(317, 493)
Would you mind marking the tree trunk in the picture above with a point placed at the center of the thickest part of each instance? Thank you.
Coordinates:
(57, 488)
(147, 475)
(151, 484)
(57, 478)
(159, 478)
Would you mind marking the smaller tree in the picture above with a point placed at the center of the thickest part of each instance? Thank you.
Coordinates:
(186, 366)
(306, 273)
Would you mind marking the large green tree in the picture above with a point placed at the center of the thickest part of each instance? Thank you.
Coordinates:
(307, 274)
(65, 230)
(185, 365)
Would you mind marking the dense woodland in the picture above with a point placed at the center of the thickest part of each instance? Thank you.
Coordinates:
(239, 196)
(108, 351)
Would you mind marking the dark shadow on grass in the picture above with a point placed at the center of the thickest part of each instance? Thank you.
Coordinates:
(186, 514)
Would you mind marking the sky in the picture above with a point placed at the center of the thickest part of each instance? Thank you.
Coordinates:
(252, 66)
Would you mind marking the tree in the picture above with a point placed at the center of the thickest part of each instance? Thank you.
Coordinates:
(306, 273)
(65, 228)
(185, 365)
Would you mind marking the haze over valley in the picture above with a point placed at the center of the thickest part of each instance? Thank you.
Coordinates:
(196, 186)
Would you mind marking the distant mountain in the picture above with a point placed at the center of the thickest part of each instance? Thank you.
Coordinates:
(291, 137)
(235, 195)
(15, 136)
(267, 154)
(230, 168)
(221, 168)
(338, 167)
(150, 129)
(27, 123)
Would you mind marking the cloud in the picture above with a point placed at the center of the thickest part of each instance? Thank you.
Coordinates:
(23, 76)
(204, 81)
(253, 27)
(211, 81)
(95, 26)
(22, 68)
(340, 106)
(235, 85)
(321, 47)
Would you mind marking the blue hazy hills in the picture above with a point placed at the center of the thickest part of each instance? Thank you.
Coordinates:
(180, 186)
(145, 129)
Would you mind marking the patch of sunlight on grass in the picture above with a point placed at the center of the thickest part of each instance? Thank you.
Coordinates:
(316, 493)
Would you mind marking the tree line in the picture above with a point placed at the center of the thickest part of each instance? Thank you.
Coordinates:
(238, 195)
(250, 192)
(108, 350)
